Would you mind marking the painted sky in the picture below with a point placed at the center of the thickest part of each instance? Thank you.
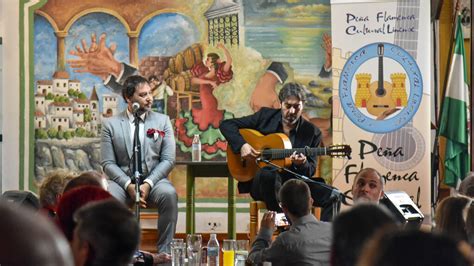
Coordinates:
(45, 49)
(166, 35)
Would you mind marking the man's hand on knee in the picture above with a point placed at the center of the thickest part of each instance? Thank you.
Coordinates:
(145, 190)
(131, 192)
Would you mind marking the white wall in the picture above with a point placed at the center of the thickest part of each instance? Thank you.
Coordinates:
(9, 94)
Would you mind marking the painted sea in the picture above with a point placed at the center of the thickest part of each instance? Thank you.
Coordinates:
(299, 46)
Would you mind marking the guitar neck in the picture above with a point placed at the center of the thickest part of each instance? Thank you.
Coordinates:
(380, 72)
(285, 153)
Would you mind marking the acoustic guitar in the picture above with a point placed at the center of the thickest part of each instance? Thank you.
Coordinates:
(380, 91)
(275, 147)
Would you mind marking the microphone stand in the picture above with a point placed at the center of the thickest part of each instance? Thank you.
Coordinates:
(336, 196)
(136, 162)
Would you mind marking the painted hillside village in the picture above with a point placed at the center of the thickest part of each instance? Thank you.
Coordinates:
(62, 110)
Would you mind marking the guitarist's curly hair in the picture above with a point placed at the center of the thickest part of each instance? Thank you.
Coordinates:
(292, 89)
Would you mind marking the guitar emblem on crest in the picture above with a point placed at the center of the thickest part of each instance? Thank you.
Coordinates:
(380, 105)
(381, 98)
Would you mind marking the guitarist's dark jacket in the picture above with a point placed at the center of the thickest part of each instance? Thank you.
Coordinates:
(268, 121)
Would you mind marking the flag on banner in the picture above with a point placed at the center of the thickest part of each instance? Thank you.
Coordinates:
(454, 116)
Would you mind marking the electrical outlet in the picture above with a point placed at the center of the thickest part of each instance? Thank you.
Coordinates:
(214, 226)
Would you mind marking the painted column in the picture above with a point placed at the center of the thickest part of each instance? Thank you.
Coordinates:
(61, 49)
(133, 46)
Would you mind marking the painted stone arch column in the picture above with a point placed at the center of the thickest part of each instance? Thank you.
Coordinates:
(61, 49)
(133, 47)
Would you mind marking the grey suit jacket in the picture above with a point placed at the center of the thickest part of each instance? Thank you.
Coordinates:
(116, 148)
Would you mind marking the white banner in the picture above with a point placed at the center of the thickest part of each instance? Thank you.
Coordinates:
(381, 81)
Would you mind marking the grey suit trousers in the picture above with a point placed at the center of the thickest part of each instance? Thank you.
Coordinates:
(163, 197)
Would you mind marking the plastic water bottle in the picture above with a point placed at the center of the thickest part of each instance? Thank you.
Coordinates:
(196, 149)
(213, 251)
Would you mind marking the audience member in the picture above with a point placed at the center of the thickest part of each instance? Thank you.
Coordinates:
(367, 186)
(89, 178)
(107, 233)
(307, 242)
(30, 239)
(51, 188)
(451, 215)
(72, 201)
(466, 187)
(351, 230)
(470, 225)
(413, 247)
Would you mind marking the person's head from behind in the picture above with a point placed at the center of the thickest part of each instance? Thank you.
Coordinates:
(451, 215)
(412, 247)
(351, 229)
(72, 201)
(137, 90)
(295, 198)
(51, 188)
(292, 98)
(107, 233)
(367, 186)
(89, 178)
(470, 225)
(466, 187)
(30, 239)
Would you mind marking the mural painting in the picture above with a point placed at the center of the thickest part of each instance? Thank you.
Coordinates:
(206, 60)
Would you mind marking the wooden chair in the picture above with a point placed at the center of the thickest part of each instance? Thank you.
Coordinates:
(255, 207)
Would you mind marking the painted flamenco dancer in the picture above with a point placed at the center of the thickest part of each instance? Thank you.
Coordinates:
(208, 76)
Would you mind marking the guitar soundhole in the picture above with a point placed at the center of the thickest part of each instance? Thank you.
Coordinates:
(410, 145)
(380, 92)
(405, 147)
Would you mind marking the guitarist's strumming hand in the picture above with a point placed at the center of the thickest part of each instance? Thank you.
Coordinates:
(298, 159)
(248, 152)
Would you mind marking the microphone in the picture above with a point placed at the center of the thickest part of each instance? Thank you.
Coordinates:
(135, 107)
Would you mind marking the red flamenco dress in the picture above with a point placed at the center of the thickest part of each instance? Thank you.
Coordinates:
(209, 114)
(204, 121)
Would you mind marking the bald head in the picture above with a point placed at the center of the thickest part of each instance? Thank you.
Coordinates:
(367, 186)
(30, 239)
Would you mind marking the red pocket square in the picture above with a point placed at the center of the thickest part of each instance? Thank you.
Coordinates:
(151, 132)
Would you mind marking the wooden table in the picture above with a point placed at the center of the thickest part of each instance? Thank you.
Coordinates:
(208, 169)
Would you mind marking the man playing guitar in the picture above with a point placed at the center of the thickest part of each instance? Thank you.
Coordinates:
(287, 120)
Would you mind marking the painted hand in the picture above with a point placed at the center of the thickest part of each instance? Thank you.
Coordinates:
(97, 58)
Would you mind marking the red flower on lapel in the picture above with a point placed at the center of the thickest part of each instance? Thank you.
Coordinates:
(154, 133)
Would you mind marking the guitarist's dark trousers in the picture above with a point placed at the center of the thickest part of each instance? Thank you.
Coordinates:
(267, 183)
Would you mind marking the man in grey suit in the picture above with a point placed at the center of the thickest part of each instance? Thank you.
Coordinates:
(158, 157)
